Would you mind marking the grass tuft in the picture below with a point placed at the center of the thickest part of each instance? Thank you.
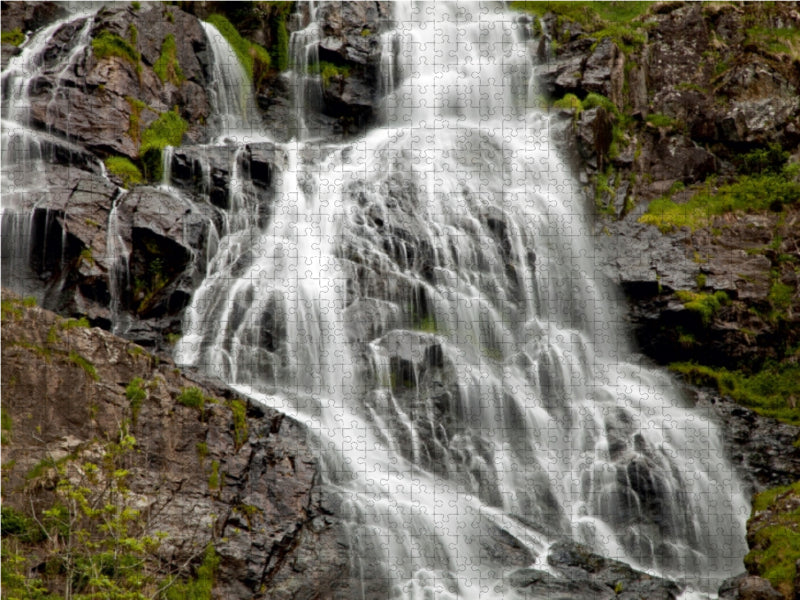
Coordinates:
(123, 168)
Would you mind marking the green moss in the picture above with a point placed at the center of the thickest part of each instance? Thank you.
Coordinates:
(136, 5)
(761, 161)
(328, 72)
(167, 66)
(773, 392)
(593, 100)
(123, 168)
(591, 15)
(775, 538)
(706, 305)
(135, 119)
(84, 364)
(192, 397)
(10, 309)
(167, 130)
(107, 44)
(661, 120)
(780, 295)
(202, 451)
(569, 102)
(747, 194)
(68, 324)
(701, 280)
(14, 37)
(6, 423)
(282, 42)
(254, 58)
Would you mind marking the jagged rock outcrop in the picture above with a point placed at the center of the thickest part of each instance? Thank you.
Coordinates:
(110, 92)
(249, 485)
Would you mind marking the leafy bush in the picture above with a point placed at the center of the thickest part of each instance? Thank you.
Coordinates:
(761, 161)
(123, 168)
(192, 397)
(569, 102)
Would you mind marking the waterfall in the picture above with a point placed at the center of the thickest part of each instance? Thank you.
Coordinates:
(427, 299)
(236, 118)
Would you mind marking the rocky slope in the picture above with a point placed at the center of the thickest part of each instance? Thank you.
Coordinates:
(219, 473)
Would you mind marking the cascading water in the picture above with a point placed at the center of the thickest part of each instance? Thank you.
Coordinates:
(425, 298)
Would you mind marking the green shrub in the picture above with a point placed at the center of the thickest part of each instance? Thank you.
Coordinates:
(254, 58)
(84, 364)
(240, 431)
(136, 394)
(107, 44)
(201, 586)
(593, 100)
(761, 161)
(14, 37)
(282, 43)
(123, 168)
(167, 67)
(192, 397)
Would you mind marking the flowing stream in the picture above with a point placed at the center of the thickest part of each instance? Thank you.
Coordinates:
(427, 299)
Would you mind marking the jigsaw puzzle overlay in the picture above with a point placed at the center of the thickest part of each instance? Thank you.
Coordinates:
(425, 296)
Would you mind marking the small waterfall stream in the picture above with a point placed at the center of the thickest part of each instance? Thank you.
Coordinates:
(425, 298)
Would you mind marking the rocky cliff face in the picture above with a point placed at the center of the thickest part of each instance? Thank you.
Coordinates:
(219, 471)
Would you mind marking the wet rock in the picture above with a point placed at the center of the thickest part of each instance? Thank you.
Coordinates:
(597, 70)
(577, 562)
(748, 587)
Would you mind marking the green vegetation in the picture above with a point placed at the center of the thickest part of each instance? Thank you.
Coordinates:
(134, 121)
(192, 397)
(659, 120)
(569, 102)
(167, 130)
(281, 50)
(773, 392)
(200, 587)
(328, 72)
(136, 395)
(136, 5)
(214, 478)
(202, 451)
(747, 194)
(84, 364)
(14, 37)
(110, 44)
(254, 58)
(167, 67)
(706, 305)
(9, 309)
(615, 20)
(88, 533)
(763, 161)
(240, 431)
(775, 543)
(123, 168)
